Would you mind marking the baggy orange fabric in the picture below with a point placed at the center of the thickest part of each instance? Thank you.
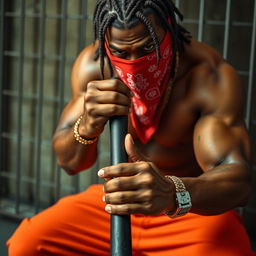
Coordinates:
(78, 225)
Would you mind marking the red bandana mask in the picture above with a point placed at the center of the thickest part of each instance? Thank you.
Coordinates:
(148, 81)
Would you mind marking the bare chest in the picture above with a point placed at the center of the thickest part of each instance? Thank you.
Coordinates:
(171, 147)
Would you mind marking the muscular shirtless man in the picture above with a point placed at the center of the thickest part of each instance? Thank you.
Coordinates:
(186, 131)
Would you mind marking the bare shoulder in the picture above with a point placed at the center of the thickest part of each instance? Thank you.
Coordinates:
(220, 97)
(85, 69)
(217, 86)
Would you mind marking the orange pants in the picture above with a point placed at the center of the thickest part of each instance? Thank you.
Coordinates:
(78, 225)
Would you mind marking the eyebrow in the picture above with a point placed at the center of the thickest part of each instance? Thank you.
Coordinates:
(114, 47)
(150, 40)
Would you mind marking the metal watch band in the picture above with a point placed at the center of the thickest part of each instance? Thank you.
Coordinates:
(179, 185)
(183, 199)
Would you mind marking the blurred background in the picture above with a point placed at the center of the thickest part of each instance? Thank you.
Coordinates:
(40, 40)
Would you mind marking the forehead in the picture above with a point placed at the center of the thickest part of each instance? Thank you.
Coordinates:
(136, 32)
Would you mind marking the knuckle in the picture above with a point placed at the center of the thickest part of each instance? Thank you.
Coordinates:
(113, 109)
(148, 207)
(127, 208)
(147, 179)
(122, 198)
(115, 83)
(148, 195)
(88, 96)
(145, 166)
(90, 109)
(118, 182)
(90, 85)
(119, 170)
(114, 97)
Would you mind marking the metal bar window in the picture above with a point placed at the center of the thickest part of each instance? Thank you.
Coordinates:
(26, 188)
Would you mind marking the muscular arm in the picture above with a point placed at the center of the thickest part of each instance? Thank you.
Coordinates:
(94, 99)
(222, 149)
(72, 156)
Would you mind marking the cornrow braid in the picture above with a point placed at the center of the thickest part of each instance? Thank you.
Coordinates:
(149, 26)
(118, 9)
(102, 52)
(98, 10)
(131, 8)
(125, 14)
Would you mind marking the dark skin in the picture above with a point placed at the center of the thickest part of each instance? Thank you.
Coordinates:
(201, 137)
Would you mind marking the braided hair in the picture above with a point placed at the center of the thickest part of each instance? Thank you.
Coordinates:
(128, 13)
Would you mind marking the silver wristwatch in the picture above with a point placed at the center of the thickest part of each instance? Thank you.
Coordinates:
(183, 199)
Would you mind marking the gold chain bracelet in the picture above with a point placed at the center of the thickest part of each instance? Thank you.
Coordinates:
(79, 138)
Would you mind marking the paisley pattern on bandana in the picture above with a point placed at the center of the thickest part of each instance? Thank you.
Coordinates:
(148, 80)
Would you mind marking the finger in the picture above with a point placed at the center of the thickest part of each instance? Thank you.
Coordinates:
(125, 209)
(121, 184)
(113, 98)
(137, 182)
(120, 170)
(108, 110)
(121, 197)
(132, 151)
(125, 197)
(111, 85)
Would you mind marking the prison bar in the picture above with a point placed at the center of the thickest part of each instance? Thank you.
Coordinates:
(251, 70)
(20, 106)
(227, 29)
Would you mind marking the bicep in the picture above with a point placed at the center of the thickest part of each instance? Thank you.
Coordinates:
(220, 133)
(216, 142)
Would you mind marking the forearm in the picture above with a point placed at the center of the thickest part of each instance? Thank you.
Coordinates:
(73, 156)
(220, 189)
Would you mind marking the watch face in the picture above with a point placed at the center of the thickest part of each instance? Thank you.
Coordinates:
(184, 200)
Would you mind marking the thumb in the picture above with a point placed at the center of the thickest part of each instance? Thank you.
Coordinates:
(133, 154)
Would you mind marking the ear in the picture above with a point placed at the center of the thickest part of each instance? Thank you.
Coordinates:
(133, 153)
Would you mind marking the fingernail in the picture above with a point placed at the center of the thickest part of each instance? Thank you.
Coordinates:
(103, 199)
(101, 173)
(108, 209)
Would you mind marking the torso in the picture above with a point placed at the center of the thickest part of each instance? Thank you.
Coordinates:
(171, 147)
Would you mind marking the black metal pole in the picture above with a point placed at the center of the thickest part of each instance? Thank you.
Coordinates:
(120, 236)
